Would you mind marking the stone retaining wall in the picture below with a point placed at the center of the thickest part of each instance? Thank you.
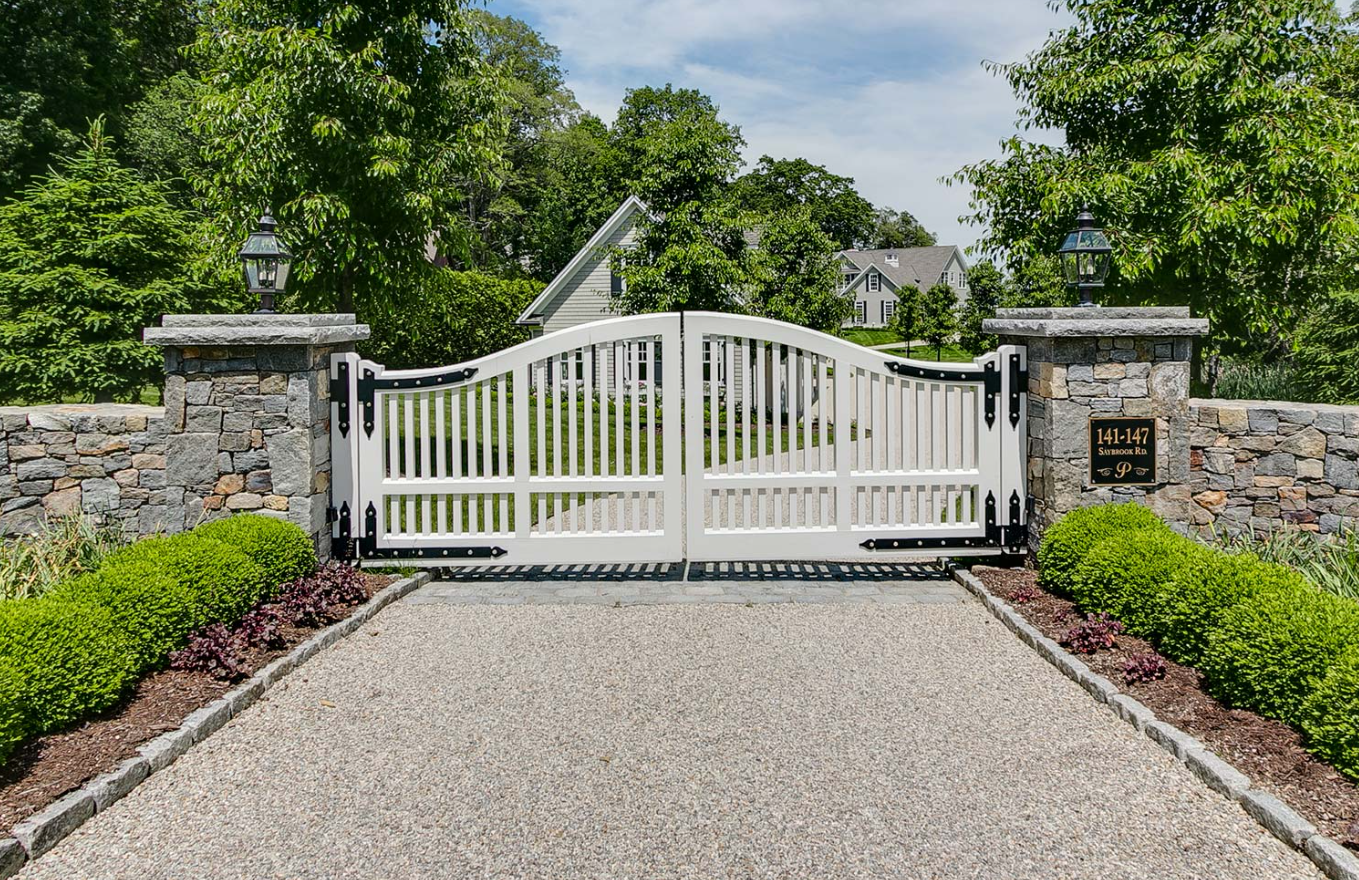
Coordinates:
(104, 461)
(1261, 464)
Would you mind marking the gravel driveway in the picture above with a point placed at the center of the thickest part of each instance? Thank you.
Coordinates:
(702, 740)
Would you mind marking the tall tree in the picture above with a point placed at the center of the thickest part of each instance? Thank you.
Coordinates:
(905, 323)
(355, 123)
(778, 185)
(1212, 141)
(986, 288)
(580, 191)
(938, 319)
(691, 250)
(89, 255)
(796, 276)
(893, 229)
(66, 62)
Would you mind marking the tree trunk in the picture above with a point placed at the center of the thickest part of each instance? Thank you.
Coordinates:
(346, 291)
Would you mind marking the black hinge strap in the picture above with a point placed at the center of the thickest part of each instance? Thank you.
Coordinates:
(1019, 385)
(991, 376)
(339, 393)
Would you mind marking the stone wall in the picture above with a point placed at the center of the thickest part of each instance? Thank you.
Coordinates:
(1259, 465)
(104, 461)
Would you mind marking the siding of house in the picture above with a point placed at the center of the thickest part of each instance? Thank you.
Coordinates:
(873, 317)
(585, 297)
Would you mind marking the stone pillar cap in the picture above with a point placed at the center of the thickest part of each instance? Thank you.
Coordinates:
(1098, 321)
(207, 330)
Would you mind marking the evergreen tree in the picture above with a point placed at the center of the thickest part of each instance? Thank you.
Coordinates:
(89, 255)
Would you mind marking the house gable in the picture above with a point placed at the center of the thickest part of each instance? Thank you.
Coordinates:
(580, 291)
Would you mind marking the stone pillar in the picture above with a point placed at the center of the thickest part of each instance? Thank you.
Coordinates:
(1103, 362)
(247, 415)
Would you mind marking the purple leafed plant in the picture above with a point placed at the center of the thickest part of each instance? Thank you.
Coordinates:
(212, 649)
(262, 627)
(317, 599)
(1024, 593)
(1144, 667)
(1096, 633)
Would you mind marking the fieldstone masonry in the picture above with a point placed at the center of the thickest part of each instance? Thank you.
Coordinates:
(103, 461)
(247, 415)
(1260, 465)
(1103, 362)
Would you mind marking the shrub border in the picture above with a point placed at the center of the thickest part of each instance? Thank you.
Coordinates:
(1274, 815)
(41, 831)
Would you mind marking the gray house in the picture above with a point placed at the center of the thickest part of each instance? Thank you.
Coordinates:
(873, 278)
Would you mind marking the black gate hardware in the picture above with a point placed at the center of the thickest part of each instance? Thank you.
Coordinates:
(1019, 384)
(992, 378)
(914, 372)
(1011, 535)
(436, 553)
(369, 385)
(341, 547)
(339, 392)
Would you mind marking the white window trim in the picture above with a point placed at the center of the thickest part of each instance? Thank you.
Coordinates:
(874, 282)
(889, 308)
(861, 311)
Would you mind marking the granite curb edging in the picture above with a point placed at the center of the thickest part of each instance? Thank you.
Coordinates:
(38, 833)
(1274, 815)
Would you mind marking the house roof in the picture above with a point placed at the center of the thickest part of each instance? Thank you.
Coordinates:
(920, 266)
(533, 314)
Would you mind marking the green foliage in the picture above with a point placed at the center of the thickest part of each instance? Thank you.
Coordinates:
(775, 186)
(1330, 562)
(1125, 575)
(986, 286)
(160, 142)
(580, 191)
(1330, 717)
(906, 318)
(897, 230)
(670, 148)
(1202, 590)
(1270, 653)
(938, 319)
(66, 547)
(223, 581)
(795, 274)
(152, 610)
(1209, 140)
(69, 61)
(70, 659)
(1067, 541)
(1328, 349)
(14, 717)
(1249, 381)
(449, 318)
(89, 256)
(281, 548)
(357, 123)
(692, 257)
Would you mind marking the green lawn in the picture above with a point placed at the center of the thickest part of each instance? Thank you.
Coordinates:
(871, 336)
(950, 352)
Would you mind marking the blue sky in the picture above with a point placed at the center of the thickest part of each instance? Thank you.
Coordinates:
(891, 94)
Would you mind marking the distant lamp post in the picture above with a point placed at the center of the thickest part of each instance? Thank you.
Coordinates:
(265, 262)
(1085, 257)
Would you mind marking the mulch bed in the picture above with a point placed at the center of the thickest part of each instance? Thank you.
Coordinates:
(1267, 751)
(47, 767)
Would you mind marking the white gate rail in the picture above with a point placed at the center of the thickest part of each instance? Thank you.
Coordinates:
(795, 445)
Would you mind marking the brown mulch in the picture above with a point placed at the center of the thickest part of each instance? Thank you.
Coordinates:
(1267, 751)
(45, 768)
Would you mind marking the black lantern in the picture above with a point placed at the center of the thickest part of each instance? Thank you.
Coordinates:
(265, 263)
(1085, 257)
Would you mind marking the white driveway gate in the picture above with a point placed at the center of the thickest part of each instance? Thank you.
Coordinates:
(782, 443)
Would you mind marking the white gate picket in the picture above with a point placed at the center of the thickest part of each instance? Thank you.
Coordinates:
(796, 445)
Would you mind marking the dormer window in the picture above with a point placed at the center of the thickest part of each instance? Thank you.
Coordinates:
(874, 282)
(893, 260)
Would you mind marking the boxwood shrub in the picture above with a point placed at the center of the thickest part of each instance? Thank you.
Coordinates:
(1124, 575)
(1270, 652)
(1196, 598)
(282, 549)
(223, 581)
(1330, 717)
(14, 719)
(70, 659)
(153, 609)
(1066, 541)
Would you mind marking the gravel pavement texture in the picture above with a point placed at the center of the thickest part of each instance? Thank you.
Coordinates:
(680, 740)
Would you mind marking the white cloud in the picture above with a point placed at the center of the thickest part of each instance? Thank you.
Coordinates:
(892, 95)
